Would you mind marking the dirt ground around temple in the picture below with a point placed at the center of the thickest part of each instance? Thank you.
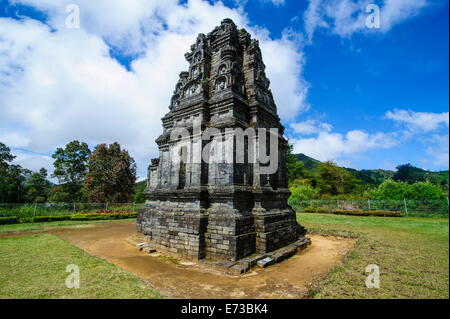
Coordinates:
(174, 278)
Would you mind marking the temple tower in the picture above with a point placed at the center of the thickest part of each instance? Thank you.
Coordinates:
(210, 193)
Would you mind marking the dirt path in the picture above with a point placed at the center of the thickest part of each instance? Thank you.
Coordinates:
(288, 279)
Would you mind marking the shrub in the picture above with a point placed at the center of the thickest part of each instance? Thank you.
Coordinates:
(384, 213)
(323, 210)
(320, 210)
(103, 216)
(98, 215)
(9, 220)
(390, 190)
(309, 209)
(107, 212)
(42, 219)
(302, 192)
(424, 191)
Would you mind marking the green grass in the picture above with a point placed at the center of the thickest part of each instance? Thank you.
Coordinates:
(66, 223)
(412, 254)
(35, 267)
(29, 210)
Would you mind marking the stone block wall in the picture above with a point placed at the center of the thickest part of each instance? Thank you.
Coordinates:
(178, 232)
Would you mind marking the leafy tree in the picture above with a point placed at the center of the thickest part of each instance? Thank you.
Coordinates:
(5, 156)
(139, 192)
(38, 187)
(111, 175)
(295, 168)
(424, 191)
(70, 168)
(59, 195)
(390, 190)
(12, 178)
(302, 192)
(408, 173)
(334, 180)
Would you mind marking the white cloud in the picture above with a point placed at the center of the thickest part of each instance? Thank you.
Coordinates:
(419, 121)
(33, 162)
(346, 17)
(275, 2)
(310, 127)
(438, 149)
(60, 84)
(330, 146)
(14, 139)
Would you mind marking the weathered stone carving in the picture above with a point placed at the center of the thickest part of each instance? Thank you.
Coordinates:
(220, 210)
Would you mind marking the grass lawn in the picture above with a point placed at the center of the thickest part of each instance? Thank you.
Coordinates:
(35, 267)
(412, 253)
(65, 223)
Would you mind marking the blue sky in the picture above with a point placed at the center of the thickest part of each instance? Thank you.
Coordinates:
(363, 98)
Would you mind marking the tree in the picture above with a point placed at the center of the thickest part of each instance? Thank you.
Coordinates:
(424, 191)
(334, 180)
(295, 169)
(139, 192)
(38, 187)
(408, 173)
(302, 192)
(12, 178)
(111, 175)
(390, 190)
(5, 156)
(71, 167)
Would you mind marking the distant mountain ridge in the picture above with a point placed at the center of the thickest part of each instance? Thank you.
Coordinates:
(377, 176)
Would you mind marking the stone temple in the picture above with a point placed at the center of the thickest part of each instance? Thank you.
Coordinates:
(224, 209)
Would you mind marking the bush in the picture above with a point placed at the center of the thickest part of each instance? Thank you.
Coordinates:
(384, 213)
(9, 220)
(98, 215)
(421, 191)
(302, 192)
(319, 210)
(43, 219)
(323, 210)
(424, 191)
(390, 190)
(103, 215)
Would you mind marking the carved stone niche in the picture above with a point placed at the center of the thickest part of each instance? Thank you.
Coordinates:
(221, 83)
(192, 88)
(184, 76)
(195, 71)
(175, 102)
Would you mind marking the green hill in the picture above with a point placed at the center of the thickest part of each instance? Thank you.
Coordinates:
(405, 172)
(309, 162)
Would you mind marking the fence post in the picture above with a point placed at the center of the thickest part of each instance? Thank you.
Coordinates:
(369, 204)
(133, 205)
(337, 203)
(406, 207)
(34, 213)
(73, 208)
(106, 206)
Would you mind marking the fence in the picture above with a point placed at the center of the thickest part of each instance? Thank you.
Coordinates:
(57, 209)
(409, 207)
